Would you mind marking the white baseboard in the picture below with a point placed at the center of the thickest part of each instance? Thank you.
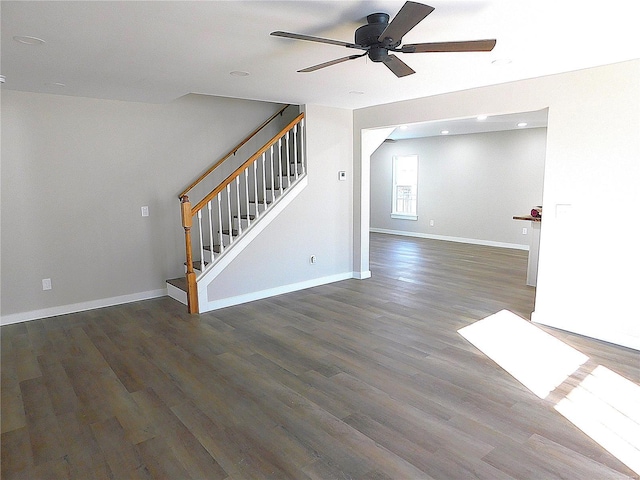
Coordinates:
(79, 307)
(272, 292)
(473, 241)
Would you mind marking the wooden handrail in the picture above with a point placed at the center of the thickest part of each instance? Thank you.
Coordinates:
(231, 152)
(202, 203)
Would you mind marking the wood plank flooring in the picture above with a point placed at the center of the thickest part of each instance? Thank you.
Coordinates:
(353, 380)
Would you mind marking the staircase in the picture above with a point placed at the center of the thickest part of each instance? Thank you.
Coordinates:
(219, 226)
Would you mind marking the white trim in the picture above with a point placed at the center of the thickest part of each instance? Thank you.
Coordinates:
(80, 307)
(404, 216)
(272, 292)
(473, 241)
(362, 275)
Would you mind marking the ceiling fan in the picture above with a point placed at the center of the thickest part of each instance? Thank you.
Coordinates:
(379, 37)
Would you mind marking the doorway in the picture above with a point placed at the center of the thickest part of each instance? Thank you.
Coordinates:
(476, 174)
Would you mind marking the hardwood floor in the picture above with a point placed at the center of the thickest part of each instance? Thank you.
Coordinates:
(352, 380)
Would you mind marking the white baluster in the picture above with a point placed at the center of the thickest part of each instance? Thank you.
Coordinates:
(201, 243)
(303, 138)
(295, 149)
(219, 197)
(238, 205)
(229, 214)
(264, 182)
(210, 229)
(273, 185)
(246, 195)
(288, 159)
(255, 186)
(280, 164)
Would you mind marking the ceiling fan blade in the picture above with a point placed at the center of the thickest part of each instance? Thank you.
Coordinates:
(309, 38)
(332, 62)
(408, 17)
(397, 66)
(468, 46)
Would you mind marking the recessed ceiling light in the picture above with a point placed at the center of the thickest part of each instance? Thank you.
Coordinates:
(522, 124)
(403, 127)
(356, 92)
(481, 117)
(445, 132)
(501, 62)
(26, 40)
(238, 73)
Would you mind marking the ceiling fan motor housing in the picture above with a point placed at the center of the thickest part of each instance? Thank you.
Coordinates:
(367, 36)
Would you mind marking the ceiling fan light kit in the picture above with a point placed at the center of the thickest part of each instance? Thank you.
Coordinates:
(379, 37)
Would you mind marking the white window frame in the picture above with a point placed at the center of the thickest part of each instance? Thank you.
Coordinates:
(402, 215)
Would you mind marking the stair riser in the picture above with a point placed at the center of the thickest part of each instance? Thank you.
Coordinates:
(269, 195)
(242, 222)
(292, 171)
(256, 208)
(177, 294)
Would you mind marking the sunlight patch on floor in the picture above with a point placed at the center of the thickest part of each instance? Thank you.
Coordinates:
(604, 405)
(536, 359)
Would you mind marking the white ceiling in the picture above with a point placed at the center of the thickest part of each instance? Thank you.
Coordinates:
(157, 51)
(464, 126)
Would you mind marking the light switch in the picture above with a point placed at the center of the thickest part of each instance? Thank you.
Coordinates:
(342, 175)
(145, 211)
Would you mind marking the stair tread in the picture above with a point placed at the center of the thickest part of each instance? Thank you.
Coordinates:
(235, 232)
(180, 283)
(251, 217)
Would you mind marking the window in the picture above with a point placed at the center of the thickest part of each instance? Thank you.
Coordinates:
(405, 187)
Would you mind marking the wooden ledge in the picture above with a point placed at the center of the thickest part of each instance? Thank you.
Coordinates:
(529, 218)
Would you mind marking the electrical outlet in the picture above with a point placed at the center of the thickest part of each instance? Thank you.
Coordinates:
(46, 284)
(524, 230)
(312, 259)
(342, 175)
(145, 211)
(432, 223)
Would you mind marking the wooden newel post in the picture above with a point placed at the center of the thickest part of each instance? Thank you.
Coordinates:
(192, 287)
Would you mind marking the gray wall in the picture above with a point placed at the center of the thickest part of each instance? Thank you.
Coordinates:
(75, 172)
(471, 186)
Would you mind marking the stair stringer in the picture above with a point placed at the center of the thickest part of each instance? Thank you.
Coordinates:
(248, 236)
